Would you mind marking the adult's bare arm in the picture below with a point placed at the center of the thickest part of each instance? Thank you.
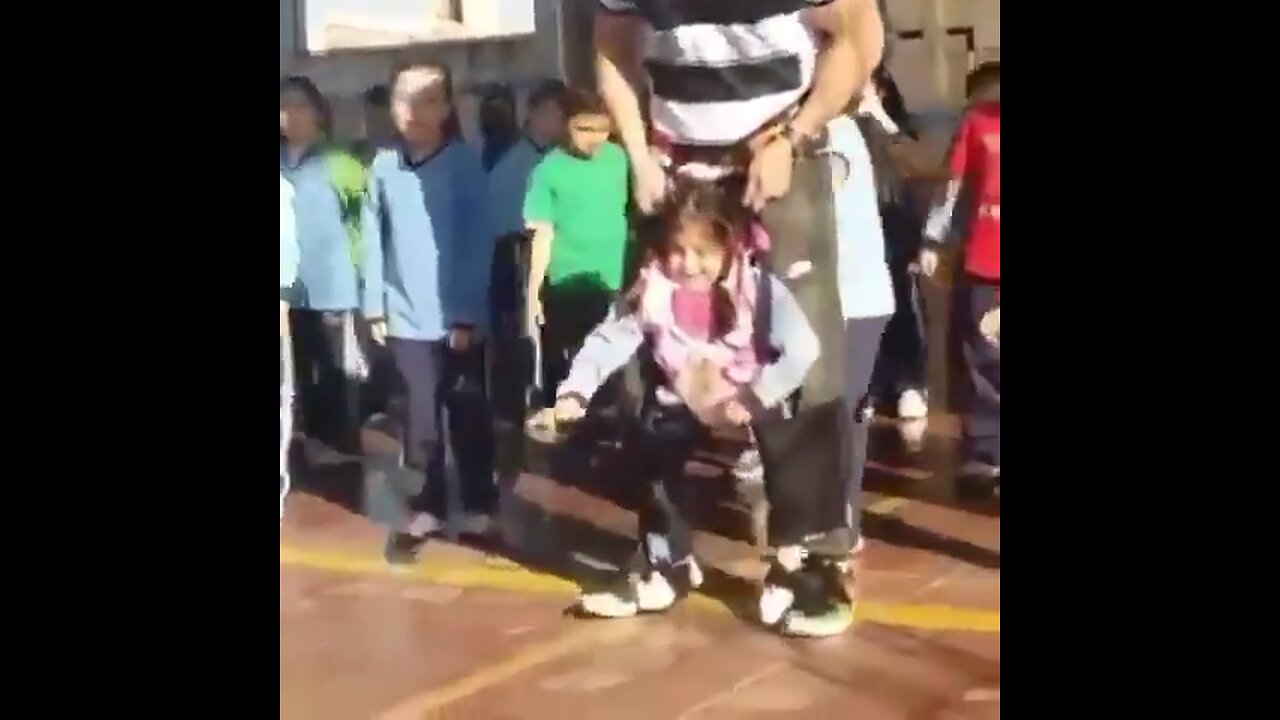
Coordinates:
(854, 45)
(619, 40)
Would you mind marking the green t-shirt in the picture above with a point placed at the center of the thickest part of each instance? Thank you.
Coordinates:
(585, 200)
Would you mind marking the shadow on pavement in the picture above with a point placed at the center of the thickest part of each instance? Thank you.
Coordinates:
(582, 552)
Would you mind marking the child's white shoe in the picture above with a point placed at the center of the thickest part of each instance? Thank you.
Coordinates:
(654, 593)
(651, 594)
(912, 405)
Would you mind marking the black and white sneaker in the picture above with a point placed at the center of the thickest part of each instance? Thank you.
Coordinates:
(403, 545)
(637, 593)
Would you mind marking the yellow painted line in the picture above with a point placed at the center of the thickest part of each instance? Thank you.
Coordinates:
(888, 506)
(507, 576)
(909, 473)
(515, 578)
(580, 638)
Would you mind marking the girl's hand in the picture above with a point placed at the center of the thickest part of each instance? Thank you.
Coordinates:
(284, 319)
(569, 409)
(736, 414)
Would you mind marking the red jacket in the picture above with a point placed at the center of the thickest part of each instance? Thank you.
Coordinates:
(975, 159)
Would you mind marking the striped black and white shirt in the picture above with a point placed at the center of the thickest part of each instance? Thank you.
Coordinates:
(721, 69)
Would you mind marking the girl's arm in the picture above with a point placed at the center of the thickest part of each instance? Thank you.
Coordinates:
(372, 302)
(606, 350)
(791, 333)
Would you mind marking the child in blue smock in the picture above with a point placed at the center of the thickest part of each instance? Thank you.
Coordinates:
(427, 255)
(508, 182)
(328, 185)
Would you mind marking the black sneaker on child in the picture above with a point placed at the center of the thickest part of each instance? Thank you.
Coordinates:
(402, 549)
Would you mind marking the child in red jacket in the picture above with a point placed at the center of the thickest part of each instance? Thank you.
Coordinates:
(975, 167)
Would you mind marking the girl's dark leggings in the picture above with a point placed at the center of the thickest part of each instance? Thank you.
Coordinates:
(659, 443)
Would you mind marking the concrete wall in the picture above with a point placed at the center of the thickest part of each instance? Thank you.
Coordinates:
(931, 71)
(343, 76)
(982, 15)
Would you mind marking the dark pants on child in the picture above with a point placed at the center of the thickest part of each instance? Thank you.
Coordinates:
(571, 313)
(328, 392)
(658, 444)
(513, 357)
(806, 457)
(901, 365)
(862, 345)
(441, 383)
(974, 298)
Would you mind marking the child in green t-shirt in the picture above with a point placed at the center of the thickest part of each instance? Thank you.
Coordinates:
(576, 207)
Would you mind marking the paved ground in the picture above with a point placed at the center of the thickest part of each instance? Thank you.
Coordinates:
(470, 633)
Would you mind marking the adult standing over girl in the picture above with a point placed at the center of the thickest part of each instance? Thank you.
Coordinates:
(746, 88)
